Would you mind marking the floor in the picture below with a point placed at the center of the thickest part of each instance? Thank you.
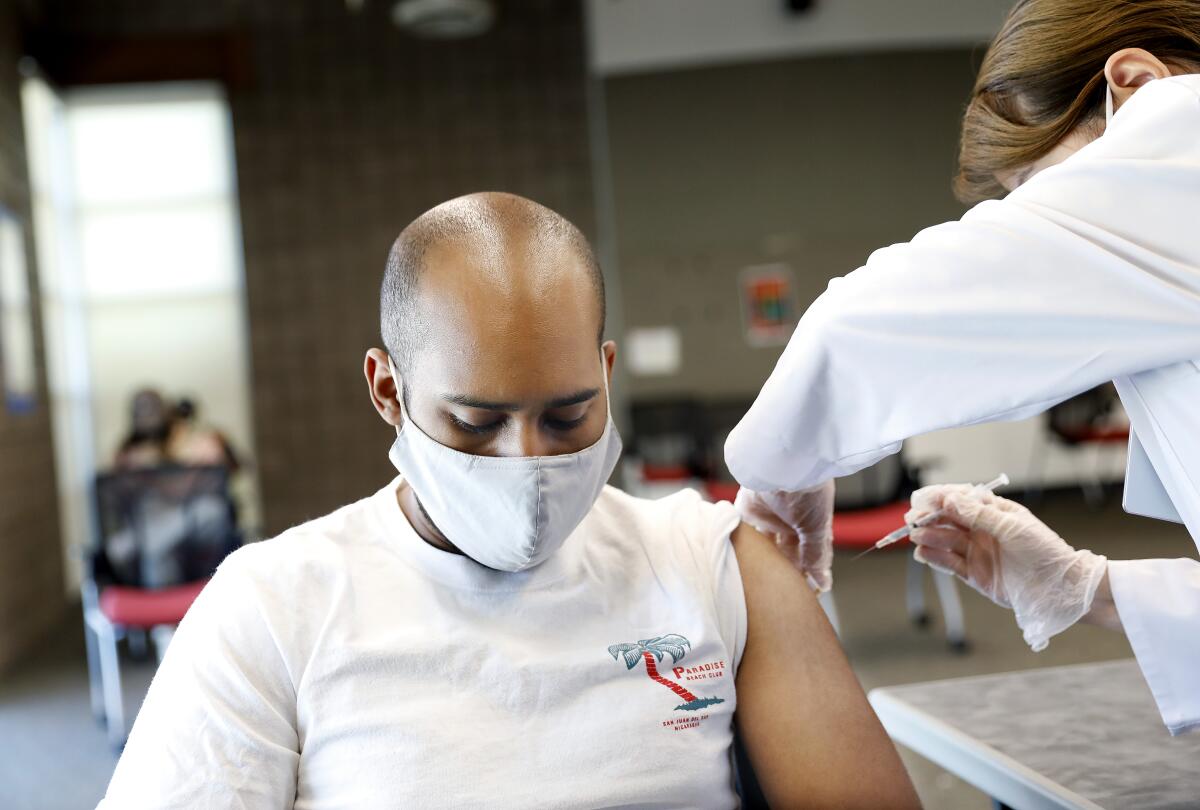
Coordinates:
(57, 757)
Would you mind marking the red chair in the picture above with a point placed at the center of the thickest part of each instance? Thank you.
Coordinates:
(1091, 419)
(721, 490)
(163, 531)
(858, 529)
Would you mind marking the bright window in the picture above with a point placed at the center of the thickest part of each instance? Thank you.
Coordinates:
(153, 192)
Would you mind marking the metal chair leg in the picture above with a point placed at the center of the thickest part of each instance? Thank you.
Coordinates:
(914, 593)
(1037, 469)
(947, 591)
(139, 643)
(110, 667)
(1093, 485)
(161, 635)
(95, 676)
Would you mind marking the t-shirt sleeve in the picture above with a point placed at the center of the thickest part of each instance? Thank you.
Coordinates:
(730, 598)
(708, 528)
(217, 728)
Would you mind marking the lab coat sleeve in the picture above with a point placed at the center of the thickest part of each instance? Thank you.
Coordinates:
(1089, 271)
(217, 728)
(1159, 605)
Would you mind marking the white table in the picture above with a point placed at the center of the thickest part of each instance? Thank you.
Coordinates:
(1086, 736)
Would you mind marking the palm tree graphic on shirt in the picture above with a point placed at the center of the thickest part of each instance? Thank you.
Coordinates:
(652, 650)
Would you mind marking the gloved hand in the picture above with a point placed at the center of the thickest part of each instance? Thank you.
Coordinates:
(801, 523)
(1001, 550)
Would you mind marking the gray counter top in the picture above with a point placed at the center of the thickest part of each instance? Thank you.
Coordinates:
(1078, 736)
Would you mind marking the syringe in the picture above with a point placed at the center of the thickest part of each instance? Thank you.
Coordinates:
(904, 531)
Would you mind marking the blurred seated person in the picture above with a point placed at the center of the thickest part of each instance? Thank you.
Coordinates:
(191, 443)
(162, 434)
(150, 425)
(496, 627)
(180, 521)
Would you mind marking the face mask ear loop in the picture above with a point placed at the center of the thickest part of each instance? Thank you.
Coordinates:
(607, 387)
(399, 396)
(1108, 104)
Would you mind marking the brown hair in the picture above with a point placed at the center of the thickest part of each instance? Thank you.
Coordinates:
(1043, 76)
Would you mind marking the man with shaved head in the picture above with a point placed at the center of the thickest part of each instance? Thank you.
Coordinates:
(497, 627)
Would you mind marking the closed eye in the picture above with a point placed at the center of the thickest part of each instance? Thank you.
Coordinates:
(476, 430)
(564, 424)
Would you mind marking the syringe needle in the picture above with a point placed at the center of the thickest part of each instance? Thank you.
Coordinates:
(904, 531)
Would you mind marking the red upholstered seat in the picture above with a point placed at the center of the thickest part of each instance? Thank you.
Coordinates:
(721, 490)
(672, 472)
(141, 607)
(1104, 434)
(860, 528)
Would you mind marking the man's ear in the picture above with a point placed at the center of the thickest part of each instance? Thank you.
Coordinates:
(609, 348)
(1130, 68)
(384, 388)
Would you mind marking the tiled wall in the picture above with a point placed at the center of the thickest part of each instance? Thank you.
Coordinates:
(345, 130)
(809, 150)
(31, 576)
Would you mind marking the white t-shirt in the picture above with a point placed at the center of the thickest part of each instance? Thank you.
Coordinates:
(349, 664)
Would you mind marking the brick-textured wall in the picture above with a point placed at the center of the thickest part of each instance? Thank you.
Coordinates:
(31, 565)
(345, 130)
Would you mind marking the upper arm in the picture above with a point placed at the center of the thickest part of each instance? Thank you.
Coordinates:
(217, 727)
(809, 731)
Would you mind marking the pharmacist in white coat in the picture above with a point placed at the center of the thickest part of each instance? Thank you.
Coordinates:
(1087, 271)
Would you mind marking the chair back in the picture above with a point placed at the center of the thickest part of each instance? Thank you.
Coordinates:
(163, 526)
(889, 480)
(1075, 420)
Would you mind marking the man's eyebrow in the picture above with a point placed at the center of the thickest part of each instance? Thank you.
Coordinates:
(573, 399)
(482, 404)
(485, 405)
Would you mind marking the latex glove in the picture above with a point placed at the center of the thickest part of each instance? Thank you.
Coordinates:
(801, 523)
(1000, 549)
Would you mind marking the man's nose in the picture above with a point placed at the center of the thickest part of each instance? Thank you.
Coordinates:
(529, 440)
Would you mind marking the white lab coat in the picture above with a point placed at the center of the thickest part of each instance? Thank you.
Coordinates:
(1088, 272)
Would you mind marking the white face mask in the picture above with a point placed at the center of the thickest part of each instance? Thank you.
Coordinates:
(508, 513)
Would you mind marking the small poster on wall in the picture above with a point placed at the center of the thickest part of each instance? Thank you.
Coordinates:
(653, 351)
(768, 293)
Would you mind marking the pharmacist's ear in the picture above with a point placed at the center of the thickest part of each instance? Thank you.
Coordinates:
(1129, 69)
